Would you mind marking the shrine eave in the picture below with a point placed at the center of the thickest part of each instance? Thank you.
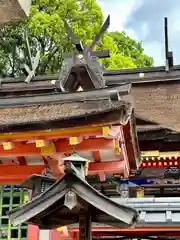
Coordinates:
(63, 116)
(50, 134)
(54, 110)
(104, 210)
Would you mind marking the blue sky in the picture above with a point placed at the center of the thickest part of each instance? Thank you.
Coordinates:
(143, 20)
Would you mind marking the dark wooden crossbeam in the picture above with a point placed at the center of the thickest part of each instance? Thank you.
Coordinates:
(82, 68)
(98, 37)
(76, 40)
(101, 54)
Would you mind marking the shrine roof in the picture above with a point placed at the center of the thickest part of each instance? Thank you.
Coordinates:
(155, 92)
(156, 98)
(52, 116)
(41, 105)
(40, 211)
(142, 75)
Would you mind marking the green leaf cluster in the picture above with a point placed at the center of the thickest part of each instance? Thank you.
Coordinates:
(47, 33)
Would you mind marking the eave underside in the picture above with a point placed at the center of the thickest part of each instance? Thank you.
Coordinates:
(43, 117)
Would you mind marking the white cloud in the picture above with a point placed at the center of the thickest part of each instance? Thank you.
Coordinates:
(137, 12)
(119, 11)
(155, 50)
(148, 23)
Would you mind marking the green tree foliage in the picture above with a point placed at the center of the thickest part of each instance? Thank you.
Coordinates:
(128, 47)
(47, 34)
(117, 60)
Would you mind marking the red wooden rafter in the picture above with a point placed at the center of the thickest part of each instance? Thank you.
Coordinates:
(61, 147)
(15, 174)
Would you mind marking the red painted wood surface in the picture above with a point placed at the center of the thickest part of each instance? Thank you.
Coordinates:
(62, 146)
(160, 231)
(16, 174)
(63, 235)
(33, 232)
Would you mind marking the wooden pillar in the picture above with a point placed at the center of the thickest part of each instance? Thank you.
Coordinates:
(85, 225)
(33, 233)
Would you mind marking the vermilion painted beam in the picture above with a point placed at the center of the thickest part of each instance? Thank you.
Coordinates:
(62, 146)
(139, 234)
(107, 167)
(171, 231)
(16, 174)
(85, 131)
